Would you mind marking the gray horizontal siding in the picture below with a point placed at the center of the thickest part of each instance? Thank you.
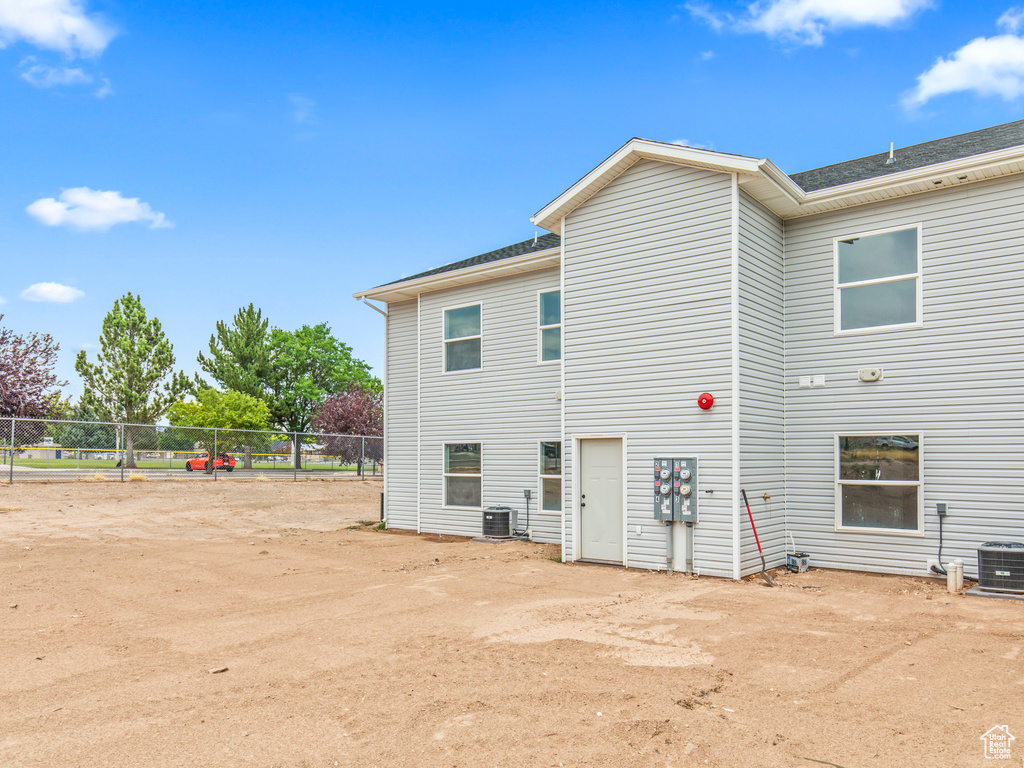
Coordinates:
(646, 309)
(958, 380)
(400, 416)
(762, 375)
(509, 406)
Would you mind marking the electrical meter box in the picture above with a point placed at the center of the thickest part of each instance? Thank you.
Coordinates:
(675, 489)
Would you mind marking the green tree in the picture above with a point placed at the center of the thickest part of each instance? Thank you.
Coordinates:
(310, 364)
(240, 354)
(132, 378)
(229, 412)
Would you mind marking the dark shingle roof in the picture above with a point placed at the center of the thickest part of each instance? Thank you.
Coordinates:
(916, 156)
(541, 243)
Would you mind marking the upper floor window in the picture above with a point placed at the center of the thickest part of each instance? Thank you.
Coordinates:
(462, 338)
(549, 343)
(878, 280)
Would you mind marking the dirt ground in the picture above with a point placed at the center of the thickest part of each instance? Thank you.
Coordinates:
(350, 646)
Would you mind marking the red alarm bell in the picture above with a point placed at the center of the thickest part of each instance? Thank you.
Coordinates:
(705, 401)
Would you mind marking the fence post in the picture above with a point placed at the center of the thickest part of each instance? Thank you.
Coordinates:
(295, 457)
(12, 451)
(362, 456)
(123, 441)
(213, 458)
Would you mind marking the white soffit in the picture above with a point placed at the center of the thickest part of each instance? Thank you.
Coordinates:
(513, 265)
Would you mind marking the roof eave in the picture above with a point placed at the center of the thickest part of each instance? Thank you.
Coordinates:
(623, 158)
(410, 289)
(962, 170)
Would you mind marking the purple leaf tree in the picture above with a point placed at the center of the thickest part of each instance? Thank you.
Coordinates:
(28, 385)
(348, 416)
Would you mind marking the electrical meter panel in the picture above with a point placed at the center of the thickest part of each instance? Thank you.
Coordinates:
(675, 489)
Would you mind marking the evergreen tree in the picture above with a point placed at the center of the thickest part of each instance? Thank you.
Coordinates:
(240, 354)
(129, 379)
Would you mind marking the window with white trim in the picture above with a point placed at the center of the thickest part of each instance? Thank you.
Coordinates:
(878, 280)
(878, 482)
(462, 338)
(551, 476)
(463, 475)
(549, 326)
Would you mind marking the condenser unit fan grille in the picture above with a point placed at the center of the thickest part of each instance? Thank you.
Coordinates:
(1001, 566)
(496, 522)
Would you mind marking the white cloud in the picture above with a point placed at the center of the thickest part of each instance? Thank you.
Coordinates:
(806, 21)
(986, 66)
(707, 55)
(688, 143)
(51, 293)
(1011, 20)
(715, 19)
(95, 209)
(2, 301)
(44, 76)
(104, 90)
(302, 108)
(56, 25)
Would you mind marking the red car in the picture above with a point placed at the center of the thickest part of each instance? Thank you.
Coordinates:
(202, 462)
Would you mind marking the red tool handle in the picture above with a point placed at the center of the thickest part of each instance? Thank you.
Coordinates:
(752, 527)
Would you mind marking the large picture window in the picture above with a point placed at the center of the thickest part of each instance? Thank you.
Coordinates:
(549, 340)
(878, 280)
(551, 476)
(462, 475)
(462, 338)
(878, 483)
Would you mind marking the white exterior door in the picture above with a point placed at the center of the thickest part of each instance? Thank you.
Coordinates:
(601, 529)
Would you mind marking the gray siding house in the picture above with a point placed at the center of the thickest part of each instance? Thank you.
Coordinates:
(858, 326)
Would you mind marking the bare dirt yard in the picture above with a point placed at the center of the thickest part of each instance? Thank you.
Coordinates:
(244, 623)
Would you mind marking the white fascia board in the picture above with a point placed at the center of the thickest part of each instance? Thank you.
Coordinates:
(410, 289)
(629, 153)
(850, 194)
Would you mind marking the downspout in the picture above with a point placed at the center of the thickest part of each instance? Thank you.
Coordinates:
(384, 383)
(567, 509)
(419, 340)
(734, 314)
(375, 308)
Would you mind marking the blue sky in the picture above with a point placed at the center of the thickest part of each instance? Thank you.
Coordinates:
(208, 155)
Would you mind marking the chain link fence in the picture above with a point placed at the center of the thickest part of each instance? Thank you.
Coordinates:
(43, 449)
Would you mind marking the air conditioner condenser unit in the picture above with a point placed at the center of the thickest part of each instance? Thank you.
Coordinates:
(1001, 566)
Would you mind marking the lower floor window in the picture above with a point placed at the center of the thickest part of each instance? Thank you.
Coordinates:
(879, 482)
(462, 475)
(551, 476)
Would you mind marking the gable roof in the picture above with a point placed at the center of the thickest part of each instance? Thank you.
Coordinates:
(943, 163)
(540, 252)
(915, 156)
(541, 243)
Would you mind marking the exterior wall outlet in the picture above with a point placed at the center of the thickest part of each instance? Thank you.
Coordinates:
(871, 374)
(941, 507)
(819, 380)
(805, 382)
